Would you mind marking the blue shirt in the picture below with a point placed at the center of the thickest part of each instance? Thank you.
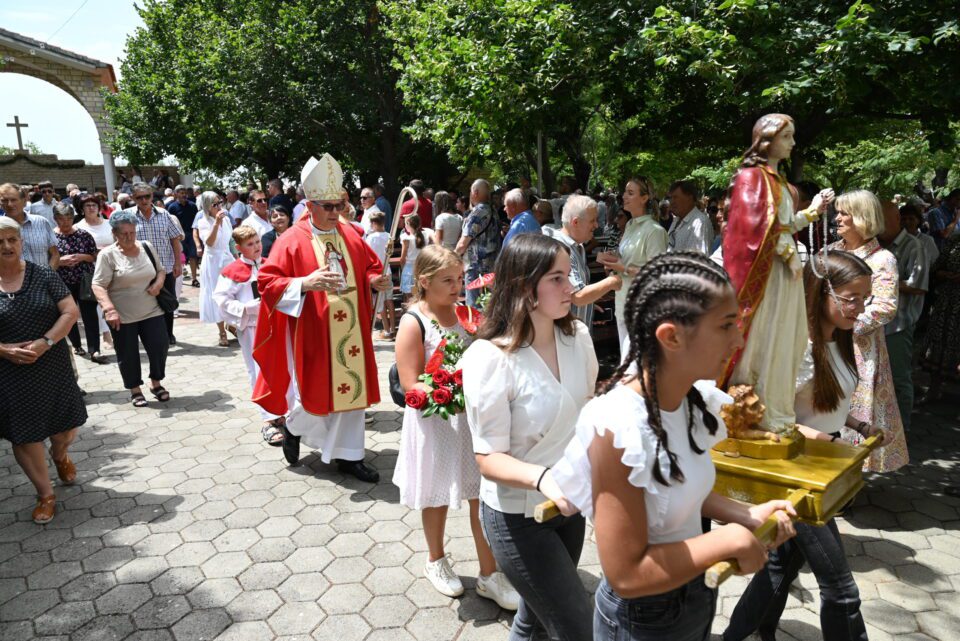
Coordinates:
(384, 205)
(938, 219)
(525, 223)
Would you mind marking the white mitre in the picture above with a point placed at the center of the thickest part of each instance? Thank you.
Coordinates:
(322, 179)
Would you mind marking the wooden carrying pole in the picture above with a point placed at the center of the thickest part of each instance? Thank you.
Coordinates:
(394, 225)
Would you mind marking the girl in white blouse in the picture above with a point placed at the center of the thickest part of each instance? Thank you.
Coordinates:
(640, 463)
(836, 292)
(525, 379)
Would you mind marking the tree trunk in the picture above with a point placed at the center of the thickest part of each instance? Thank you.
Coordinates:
(797, 162)
(549, 180)
(940, 177)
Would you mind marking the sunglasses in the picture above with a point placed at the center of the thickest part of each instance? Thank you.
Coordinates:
(366, 197)
(260, 200)
(328, 207)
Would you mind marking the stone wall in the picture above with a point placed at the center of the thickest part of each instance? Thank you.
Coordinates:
(28, 169)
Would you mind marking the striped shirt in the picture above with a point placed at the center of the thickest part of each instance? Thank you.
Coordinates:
(36, 236)
(158, 231)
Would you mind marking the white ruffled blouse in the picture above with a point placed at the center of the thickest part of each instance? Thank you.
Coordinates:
(673, 511)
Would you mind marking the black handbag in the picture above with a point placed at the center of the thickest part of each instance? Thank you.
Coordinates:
(166, 299)
(86, 287)
(396, 391)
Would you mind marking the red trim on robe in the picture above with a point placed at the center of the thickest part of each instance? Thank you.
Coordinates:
(293, 256)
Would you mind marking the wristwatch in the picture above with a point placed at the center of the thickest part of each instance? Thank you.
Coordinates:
(49, 341)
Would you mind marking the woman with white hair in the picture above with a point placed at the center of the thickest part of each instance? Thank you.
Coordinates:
(39, 397)
(859, 222)
(211, 233)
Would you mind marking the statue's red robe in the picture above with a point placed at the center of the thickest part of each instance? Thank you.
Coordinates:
(292, 256)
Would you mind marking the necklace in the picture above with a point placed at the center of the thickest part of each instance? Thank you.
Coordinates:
(823, 250)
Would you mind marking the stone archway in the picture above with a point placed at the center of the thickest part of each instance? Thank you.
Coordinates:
(81, 77)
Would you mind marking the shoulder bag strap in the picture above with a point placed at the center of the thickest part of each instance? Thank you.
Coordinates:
(153, 261)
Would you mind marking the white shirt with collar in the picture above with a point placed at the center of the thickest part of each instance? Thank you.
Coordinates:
(913, 270)
(44, 210)
(693, 232)
(262, 226)
(516, 406)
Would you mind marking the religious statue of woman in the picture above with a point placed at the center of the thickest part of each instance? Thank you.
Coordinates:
(760, 255)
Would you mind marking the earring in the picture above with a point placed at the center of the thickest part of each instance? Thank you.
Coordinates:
(535, 303)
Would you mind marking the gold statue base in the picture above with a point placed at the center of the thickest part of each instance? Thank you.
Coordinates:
(788, 447)
(830, 472)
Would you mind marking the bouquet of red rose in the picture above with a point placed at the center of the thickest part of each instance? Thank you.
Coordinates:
(443, 377)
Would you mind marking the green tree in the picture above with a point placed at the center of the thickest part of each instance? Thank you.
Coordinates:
(223, 84)
(31, 147)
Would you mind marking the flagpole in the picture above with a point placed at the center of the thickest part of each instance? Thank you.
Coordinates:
(394, 225)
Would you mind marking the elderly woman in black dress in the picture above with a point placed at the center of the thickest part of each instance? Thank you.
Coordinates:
(39, 397)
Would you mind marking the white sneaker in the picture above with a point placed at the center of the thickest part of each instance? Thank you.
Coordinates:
(442, 576)
(497, 587)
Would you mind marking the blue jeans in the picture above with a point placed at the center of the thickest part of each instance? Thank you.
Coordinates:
(540, 559)
(472, 274)
(763, 601)
(683, 614)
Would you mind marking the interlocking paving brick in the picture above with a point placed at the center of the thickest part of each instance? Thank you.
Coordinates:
(64, 618)
(201, 625)
(123, 598)
(161, 611)
(28, 605)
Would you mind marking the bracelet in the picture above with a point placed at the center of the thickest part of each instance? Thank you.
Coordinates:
(834, 438)
(542, 474)
(860, 427)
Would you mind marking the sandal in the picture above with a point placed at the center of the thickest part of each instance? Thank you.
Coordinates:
(66, 470)
(272, 434)
(138, 400)
(79, 351)
(98, 358)
(46, 508)
(160, 393)
(224, 341)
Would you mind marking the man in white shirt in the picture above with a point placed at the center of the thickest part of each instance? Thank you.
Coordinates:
(44, 206)
(369, 203)
(260, 218)
(691, 229)
(235, 208)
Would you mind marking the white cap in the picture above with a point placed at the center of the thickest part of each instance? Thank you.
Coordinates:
(322, 179)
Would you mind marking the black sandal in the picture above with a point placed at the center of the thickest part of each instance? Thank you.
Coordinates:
(272, 434)
(138, 400)
(160, 393)
(79, 351)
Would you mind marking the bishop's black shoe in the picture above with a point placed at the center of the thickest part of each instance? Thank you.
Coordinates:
(360, 470)
(291, 446)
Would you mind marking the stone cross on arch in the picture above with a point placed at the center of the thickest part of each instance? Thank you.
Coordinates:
(18, 125)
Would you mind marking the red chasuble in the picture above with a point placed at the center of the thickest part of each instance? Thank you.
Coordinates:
(295, 255)
(749, 241)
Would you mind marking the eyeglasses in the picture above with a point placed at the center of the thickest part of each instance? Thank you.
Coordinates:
(217, 203)
(142, 197)
(328, 207)
(366, 197)
(260, 200)
(845, 302)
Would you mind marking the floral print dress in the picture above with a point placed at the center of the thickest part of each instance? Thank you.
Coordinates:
(874, 400)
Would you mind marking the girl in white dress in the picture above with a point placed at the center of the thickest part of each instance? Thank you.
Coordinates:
(436, 469)
(412, 240)
(211, 232)
(640, 466)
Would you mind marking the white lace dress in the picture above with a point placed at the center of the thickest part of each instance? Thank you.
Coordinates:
(673, 511)
(436, 466)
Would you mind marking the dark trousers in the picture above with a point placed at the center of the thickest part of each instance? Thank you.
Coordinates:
(170, 284)
(91, 323)
(683, 614)
(762, 603)
(152, 332)
(540, 559)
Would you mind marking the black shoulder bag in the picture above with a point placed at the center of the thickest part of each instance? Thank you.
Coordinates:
(166, 299)
(396, 391)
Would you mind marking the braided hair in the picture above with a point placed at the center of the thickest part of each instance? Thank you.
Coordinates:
(675, 287)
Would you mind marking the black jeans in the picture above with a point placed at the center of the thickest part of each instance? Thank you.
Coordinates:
(540, 559)
(763, 601)
(682, 614)
(152, 332)
(170, 284)
(91, 322)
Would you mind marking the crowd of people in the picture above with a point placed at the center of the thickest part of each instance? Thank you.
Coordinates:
(301, 279)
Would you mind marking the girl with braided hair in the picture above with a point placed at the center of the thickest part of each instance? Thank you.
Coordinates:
(525, 378)
(639, 464)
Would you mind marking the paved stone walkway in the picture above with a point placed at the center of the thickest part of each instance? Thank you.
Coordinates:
(184, 525)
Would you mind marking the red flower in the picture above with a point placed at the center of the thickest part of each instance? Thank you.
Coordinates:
(458, 377)
(442, 377)
(442, 395)
(484, 281)
(416, 398)
(469, 318)
(436, 360)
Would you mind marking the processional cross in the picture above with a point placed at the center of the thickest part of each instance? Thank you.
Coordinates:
(18, 125)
